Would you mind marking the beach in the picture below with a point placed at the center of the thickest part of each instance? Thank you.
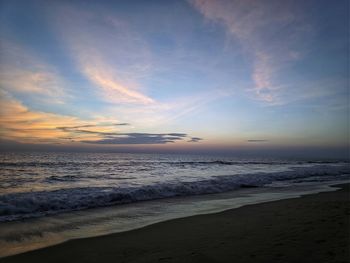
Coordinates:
(174, 131)
(313, 228)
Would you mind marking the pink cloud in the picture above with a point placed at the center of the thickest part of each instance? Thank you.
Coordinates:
(268, 33)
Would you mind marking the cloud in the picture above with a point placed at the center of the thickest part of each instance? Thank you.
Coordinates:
(193, 104)
(17, 122)
(269, 32)
(113, 90)
(106, 52)
(194, 139)
(92, 125)
(122, 124)
(116, 58)
(140, 138)
(124, 138)
(257, 140)
(23, 72)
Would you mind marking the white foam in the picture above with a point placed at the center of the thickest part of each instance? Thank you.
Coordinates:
(20, 236)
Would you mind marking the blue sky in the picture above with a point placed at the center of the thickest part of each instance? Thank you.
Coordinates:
(193, 74)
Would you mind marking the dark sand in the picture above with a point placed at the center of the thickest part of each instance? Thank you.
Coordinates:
(314, 228)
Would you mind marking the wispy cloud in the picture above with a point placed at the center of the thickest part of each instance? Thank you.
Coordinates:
(23, 72)
(113, 90)
(105, 52)
(269, 32)
(72, 128)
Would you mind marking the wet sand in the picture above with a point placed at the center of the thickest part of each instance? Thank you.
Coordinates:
(314, 228)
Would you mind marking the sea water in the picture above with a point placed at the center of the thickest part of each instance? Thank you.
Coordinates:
(47, 198)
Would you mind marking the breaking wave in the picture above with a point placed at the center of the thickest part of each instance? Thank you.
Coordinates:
(15, 206)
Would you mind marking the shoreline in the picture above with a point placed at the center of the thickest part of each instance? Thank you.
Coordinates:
(18, 237)
(314, 225)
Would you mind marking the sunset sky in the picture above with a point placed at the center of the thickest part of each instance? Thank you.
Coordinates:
(174, 75)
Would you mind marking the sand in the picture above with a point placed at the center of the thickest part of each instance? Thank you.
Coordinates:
(314, 228)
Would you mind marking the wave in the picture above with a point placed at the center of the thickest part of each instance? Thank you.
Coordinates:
(33, 204)
(221, 162)
(73, 178)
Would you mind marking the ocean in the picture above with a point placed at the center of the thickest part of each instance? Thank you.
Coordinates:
(47, 198)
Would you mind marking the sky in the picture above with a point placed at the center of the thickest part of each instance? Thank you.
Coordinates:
(197, 75)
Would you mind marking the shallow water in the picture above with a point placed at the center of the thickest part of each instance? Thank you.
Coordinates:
(25, 235)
